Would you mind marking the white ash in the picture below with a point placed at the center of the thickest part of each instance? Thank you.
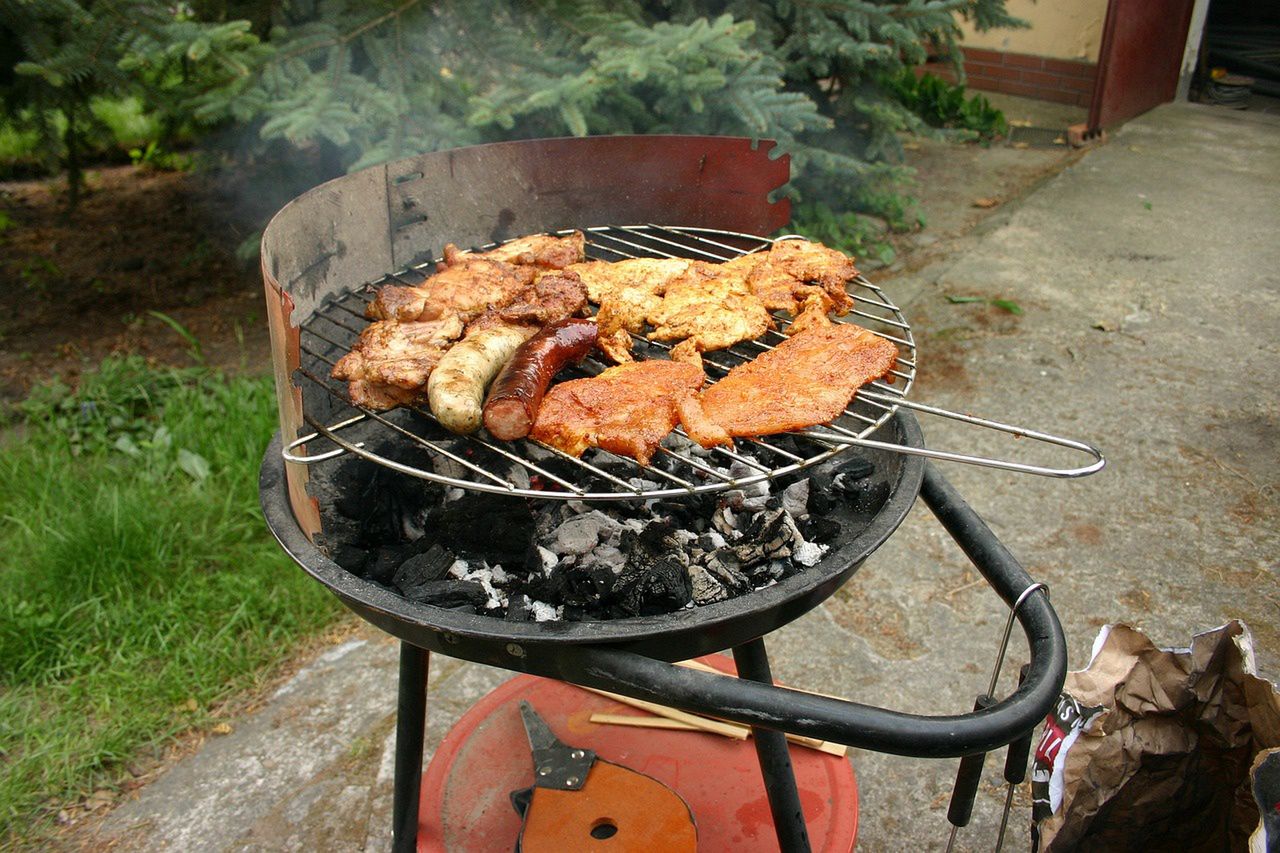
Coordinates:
(808, 553)
(453, 494)
(486, 577)
(795, 499)
(543, 612)
(549, 559)
(518, 476)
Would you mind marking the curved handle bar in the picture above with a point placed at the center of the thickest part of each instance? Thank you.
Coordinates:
(848, 722)
(1097, 464)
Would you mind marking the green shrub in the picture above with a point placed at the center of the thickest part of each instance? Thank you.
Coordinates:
(943, 104)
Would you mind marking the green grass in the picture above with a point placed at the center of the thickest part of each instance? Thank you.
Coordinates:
(136, 573)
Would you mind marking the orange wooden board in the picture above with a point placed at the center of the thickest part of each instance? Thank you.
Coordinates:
(465, 804)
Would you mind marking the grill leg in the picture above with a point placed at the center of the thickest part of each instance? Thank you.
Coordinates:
(411, 721)
(775, 759)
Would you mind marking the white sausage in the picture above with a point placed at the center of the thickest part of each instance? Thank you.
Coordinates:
(457, 385)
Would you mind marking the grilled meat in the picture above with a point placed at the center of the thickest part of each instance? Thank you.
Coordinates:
(517, 392)
(627, 409)
(808, 379)
(456, 387)
(467, 289)
(716, 311)
(389, 365)
(543, 251)
(793, 270)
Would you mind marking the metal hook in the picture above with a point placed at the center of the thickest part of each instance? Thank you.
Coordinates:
(1008, 630)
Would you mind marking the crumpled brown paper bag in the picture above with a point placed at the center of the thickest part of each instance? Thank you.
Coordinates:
(1150, 749)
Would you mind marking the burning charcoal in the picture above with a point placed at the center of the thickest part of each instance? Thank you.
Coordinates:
(581, 533)
(450, 594)
(711, 540)
(725, 523)
(725, 567)
(657, 540)
(605, 555)
(390, 507)
(822, 497)
(772, 533)
(421, 570)
(733, 498)
(740, 471)
(795, 498)
(500, 529)
(661, 587)
(706, 589)
(382, 568)
(848, 477)
(655, 578)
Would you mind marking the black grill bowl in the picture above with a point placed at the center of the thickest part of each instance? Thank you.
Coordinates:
(671, 636)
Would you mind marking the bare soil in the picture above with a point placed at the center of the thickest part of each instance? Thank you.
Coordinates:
(82, 285)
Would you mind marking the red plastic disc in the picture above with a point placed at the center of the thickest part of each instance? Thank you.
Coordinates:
(465, 802)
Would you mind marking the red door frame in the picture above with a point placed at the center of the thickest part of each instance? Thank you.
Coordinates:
(1116, 69)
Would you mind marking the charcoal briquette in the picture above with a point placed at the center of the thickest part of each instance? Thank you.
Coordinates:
(382, 568)
(450, 594)
(421, 569)
(519, 608)
(660, 587)
(816, 528)
(351, 558)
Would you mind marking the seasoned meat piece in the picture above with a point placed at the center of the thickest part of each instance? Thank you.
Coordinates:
(539, 250)
(627, 409)
(716, 311)
(648, 275)
(627, 292)
(517, 392)
(457, 385)
(466, 289)
(553, 297)
(390, 363)
(793, 270)
(808, 379)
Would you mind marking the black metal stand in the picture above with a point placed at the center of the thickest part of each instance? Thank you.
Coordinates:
(775, 759)
(751, 699)
(411, 724)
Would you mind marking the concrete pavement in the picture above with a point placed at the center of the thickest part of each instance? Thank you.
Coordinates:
(1147, 279)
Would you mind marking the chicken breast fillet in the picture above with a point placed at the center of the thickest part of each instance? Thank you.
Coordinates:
(806, 380)
(390, 363)
(466, 289)
(793, 270)
(716, 311)
(627, 409)
(544, 251)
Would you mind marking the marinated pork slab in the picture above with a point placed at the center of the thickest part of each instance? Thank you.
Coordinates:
(806, 380)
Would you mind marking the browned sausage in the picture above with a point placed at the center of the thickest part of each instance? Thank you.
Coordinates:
(517, 393)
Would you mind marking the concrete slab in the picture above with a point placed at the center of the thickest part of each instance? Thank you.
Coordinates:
(1147, 279)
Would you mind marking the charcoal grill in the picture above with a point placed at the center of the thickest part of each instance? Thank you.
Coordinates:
(323, 250)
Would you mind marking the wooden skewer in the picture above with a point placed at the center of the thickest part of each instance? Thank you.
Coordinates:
(811, 742)
(727, 729)
(641, 722)
(693, 722)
